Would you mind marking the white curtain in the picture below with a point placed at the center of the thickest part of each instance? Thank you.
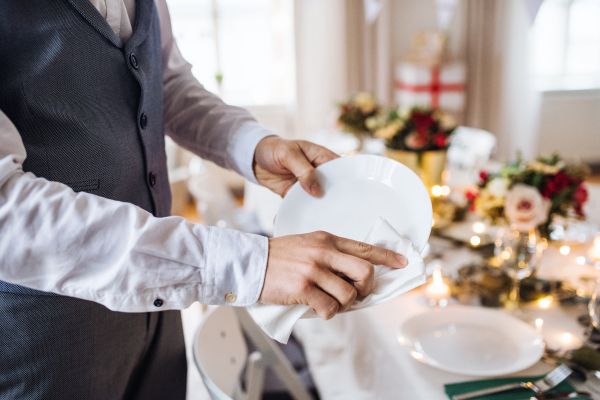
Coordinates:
(500, 94)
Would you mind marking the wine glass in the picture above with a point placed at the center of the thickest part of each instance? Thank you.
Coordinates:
(519, 254)
(594, 306)
(593, 377)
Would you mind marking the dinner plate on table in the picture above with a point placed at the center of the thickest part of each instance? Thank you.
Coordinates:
(472, 341)
(357, 191)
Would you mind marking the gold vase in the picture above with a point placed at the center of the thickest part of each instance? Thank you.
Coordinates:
(428, 165)
(408, 158)
(433, 163)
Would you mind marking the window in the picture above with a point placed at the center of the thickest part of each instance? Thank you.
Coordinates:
(567, 45)
(250, 42)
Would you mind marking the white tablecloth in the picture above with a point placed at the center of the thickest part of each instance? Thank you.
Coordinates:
(356, 355)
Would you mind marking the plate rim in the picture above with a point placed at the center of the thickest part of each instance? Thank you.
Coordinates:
(397, 164)
(428, 360)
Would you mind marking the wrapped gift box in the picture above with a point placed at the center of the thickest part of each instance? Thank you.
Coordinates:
(437, 86)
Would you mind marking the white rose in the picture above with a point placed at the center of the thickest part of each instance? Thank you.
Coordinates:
(498, 187)
(525, 207)
(447, 121)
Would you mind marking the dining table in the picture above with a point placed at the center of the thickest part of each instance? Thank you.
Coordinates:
(357, 355)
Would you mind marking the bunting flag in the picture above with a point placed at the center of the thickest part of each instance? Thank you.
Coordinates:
(372, 10)
(445, 11)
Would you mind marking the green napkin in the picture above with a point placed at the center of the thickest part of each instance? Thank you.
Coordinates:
(453, 389)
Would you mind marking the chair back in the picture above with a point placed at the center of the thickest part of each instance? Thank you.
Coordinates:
(220, 353)
(470, 147)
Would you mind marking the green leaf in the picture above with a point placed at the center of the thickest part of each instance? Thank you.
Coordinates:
(587, 357)
(536, 180)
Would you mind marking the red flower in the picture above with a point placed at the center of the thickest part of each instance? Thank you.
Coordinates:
(471, 196)
(440, 139)
(422, 121)
(560, 182)
(483, 176)
(581, 195)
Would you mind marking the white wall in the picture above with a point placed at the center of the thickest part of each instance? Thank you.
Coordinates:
(570, 124)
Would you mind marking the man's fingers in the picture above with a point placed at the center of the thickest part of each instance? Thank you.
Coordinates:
(324, 305)
(374, 254)
(358, 270)
(297, 163)
(317, 155)
(336, 287)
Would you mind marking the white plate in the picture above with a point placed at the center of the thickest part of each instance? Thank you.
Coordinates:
(472, 341)
(357, 191)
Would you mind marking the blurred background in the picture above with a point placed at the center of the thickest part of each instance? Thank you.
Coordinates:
(531, 78)
(522, 75)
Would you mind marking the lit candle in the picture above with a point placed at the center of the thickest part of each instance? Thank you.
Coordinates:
(595, 251)
(436, 191)
(568, 341)
(545, 302)
(478, 227)
(539, 323)
(437, 292)
(565, 250)
(475, 241)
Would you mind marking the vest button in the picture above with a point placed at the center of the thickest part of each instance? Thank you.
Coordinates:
(133, 61)
(152, 179)
(158, 303)
(143, 121)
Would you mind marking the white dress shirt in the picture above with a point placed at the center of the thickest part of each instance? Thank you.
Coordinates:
(115, 253)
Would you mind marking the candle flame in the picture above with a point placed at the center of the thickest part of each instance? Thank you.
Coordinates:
(539, 322)
(478, 227)
(437, 277)
(545, 302)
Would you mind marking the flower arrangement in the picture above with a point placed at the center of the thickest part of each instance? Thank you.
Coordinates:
(529, 195)
(355, 112)
(416, 129)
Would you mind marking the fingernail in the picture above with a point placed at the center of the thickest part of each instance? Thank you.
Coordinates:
(315, 188)
(402, 260)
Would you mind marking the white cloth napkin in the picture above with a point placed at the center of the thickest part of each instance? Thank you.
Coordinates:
(278, 321)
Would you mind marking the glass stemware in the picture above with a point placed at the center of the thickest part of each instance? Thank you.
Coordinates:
(594, 306)
(519, 254)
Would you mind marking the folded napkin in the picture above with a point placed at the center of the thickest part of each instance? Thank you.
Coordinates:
(278, 321)
(452, 389)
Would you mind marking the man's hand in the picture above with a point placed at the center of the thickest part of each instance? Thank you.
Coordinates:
(323, 271)
(279, 163)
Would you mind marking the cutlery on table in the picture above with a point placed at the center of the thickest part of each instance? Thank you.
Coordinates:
(544, 384)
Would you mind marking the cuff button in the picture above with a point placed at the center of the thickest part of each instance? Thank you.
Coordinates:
(230, 298)
(158, 303)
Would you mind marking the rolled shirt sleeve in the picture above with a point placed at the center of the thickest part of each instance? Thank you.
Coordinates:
(115, 253)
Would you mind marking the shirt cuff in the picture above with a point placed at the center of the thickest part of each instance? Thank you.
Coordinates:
(243, 145)
(235, 268)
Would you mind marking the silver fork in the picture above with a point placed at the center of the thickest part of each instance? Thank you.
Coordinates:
(553, 378)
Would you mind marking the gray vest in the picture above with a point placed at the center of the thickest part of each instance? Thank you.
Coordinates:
(88, 106)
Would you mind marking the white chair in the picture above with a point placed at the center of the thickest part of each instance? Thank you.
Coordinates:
(220, 354)
(470, 147)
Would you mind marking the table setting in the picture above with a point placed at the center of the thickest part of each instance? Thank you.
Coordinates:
(508, 293)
